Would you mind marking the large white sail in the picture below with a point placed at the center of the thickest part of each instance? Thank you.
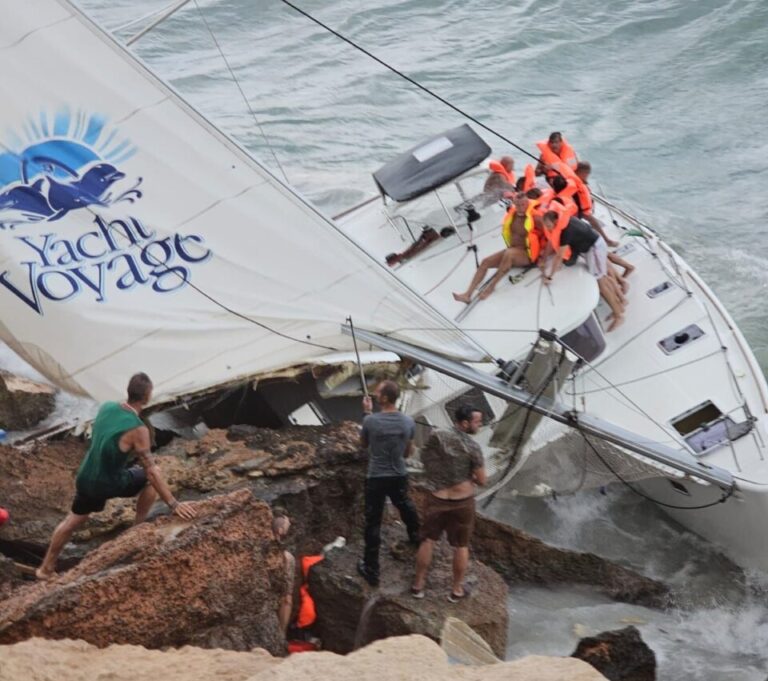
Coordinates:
(134, 236)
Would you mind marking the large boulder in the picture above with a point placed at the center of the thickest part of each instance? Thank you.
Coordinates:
(351, 614)
(24, 402)
(37, 482)
(214, 581)
(521, 558)
(620, 655)
(412, 657)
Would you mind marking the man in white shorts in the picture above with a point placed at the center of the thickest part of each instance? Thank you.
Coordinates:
(583, 240)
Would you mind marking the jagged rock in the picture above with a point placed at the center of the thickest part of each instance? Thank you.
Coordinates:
(411, 657)
(341, 596)
(37, 482)
(10, 577)
(620, 655)
(24, 402)
(212, 582)
(519, 557)
(316, 473)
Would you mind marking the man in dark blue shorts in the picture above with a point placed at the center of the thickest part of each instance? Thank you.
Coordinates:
(119, 436)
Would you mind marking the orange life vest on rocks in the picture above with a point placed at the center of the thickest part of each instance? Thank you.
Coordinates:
(496, 167)
(532, 238)
(567, 155)
(307, 613)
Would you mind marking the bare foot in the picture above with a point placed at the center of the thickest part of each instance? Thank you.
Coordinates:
(616, 323)
(44, 576)
(485, 293)
(628, 269)
(462, 297)
(611, 244)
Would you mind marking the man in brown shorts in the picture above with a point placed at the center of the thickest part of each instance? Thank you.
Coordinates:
(453, 465)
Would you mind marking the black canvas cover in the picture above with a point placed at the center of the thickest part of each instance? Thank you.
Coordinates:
(431, 164)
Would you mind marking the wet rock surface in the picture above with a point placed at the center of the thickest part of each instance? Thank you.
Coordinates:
(351, 614)
(521, 558)
(24, 403)
(620, 655)
(211, 582)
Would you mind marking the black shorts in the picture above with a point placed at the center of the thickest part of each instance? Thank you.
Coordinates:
(83, 504)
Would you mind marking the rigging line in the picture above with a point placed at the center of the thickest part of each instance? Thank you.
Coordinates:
(603, 360)
(133, 22)
(489, 495)
(647, 376)
(637, 407)
(726, 494)
(242, 93)
(409, 79)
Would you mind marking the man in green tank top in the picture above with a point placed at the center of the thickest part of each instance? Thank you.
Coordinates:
(119, 436)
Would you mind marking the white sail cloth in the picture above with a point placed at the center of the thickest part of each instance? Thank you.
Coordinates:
(134, 236)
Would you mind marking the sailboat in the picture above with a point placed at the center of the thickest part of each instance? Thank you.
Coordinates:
(134, 235)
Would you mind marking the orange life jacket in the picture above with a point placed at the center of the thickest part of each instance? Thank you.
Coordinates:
(307, 613)
(564, 214)
(496, 167)
(567, 155)
(565, 197)
(532, 238)
(530, 177)
(542, 203)
(585, 196)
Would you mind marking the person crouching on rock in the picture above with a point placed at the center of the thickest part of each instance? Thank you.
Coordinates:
(388, 436)
(119, 436)
(453, 465)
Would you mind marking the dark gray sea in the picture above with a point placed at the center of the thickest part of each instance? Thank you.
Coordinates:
(666, 98)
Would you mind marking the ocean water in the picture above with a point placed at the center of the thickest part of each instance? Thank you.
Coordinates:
(666, 98)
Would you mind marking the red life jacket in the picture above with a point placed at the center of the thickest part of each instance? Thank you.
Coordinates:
(307, 613)
(496, 167)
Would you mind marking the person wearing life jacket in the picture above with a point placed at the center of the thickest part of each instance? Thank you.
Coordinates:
(585, 241)
(583, 198)
(502, 176)
(555, 151)
(4, 516)
(521, 231)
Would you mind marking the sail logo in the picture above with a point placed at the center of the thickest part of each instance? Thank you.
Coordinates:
(71, 162)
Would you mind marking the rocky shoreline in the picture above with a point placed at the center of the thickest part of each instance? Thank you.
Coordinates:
(215, 582)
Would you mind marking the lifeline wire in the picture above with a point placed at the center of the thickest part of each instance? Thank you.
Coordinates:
(408, 78)
(721, 500)
(242, 93)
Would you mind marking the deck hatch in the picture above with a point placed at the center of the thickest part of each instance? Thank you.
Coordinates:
(705, 427)
(658, 290)
(680, 338)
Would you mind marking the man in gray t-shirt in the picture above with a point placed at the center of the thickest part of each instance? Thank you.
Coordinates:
(388, 436)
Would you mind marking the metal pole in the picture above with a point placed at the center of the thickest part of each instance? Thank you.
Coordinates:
(357, 354)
